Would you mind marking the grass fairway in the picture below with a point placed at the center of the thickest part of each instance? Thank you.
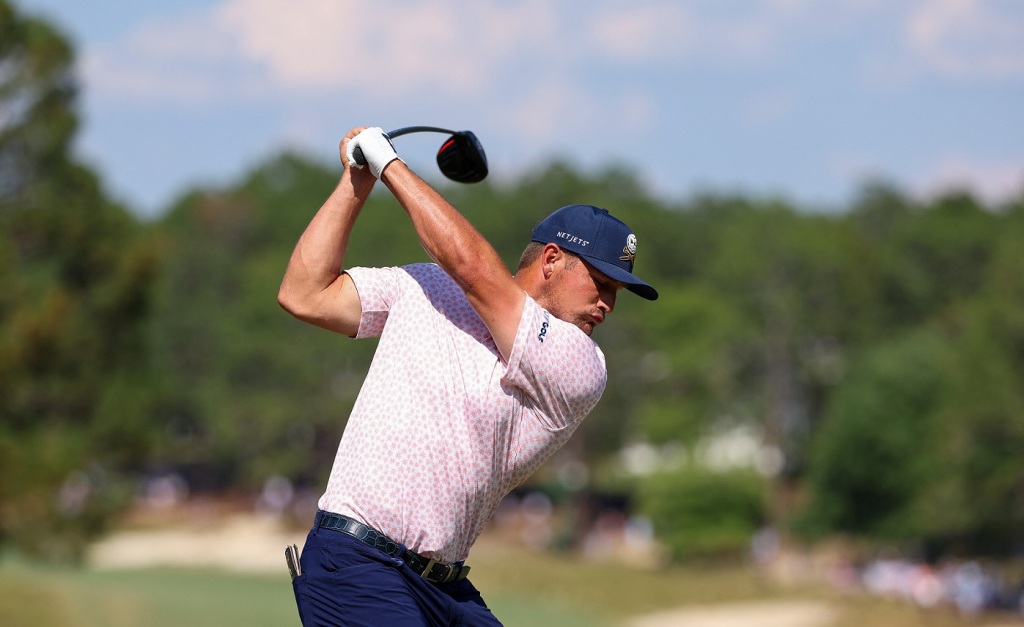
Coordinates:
(598, 593)
(52, 597)
(523, 588)
(38, 597)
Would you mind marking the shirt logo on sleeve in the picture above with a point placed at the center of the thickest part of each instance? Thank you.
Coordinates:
(543, 329)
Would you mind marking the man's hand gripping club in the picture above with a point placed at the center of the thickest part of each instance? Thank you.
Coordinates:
(374, 147)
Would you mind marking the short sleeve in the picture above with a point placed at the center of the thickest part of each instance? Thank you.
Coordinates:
(378, 289)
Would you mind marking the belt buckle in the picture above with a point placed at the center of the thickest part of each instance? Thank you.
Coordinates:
(429, 568)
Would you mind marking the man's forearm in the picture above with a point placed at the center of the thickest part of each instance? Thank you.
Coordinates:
(462, 252)
(448, 237)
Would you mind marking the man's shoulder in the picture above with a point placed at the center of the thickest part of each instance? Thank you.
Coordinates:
(416, 285)
(434, 281)
(557, 335)
(422, 273)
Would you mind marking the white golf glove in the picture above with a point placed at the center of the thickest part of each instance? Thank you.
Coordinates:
(377, 150)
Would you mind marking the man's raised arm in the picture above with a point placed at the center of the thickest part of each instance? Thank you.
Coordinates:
(314, 289)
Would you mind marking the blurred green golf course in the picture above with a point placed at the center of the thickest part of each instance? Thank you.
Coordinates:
(522, 587)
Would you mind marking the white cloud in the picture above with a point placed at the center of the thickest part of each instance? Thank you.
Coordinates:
(992, 180)
(240, 47)
(246, 47)
(672, 33)
(163, 61)
(318, 44)
(283, 48)
(299, 42)
(642, 32)
(969, 38)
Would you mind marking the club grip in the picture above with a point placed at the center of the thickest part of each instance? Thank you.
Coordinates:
(358, 155)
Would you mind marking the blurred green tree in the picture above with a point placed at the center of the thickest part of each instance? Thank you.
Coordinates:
(880, 444)
(75, 289)
(702, 515)
(919, 443)
(985, 413)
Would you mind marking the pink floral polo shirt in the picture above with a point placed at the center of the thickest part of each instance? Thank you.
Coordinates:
(443, 428)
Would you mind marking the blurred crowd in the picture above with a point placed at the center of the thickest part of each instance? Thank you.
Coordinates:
(970, 586)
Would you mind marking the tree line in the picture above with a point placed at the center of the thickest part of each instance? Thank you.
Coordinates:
(877, 349)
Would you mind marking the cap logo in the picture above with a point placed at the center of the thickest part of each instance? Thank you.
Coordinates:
(572, 239)
(629, 250)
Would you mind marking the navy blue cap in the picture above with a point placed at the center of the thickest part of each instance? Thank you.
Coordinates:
(604, 241)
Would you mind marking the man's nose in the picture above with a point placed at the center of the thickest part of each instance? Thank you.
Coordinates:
(607, 302)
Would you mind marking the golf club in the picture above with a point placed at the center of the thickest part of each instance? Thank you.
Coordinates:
(461, 157)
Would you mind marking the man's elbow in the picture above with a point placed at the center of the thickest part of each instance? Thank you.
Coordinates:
(332, 309)
(288, 301)
(302, 308)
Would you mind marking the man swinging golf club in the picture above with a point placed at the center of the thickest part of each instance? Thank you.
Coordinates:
(479, 376)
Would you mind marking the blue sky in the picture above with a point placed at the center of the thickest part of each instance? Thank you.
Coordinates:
(805, 99)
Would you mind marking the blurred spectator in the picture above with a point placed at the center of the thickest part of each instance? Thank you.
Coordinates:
(969, 586)
(276, 496)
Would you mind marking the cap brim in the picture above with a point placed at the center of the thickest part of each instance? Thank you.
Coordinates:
(633, 284)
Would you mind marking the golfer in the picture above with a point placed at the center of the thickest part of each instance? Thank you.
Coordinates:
(478, 377)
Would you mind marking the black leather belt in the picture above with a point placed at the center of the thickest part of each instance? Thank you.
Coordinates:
(430, 569)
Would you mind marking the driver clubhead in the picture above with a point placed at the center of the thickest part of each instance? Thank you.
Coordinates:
(462, 159)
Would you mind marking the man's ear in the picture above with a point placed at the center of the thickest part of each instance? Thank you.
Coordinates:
(551, 254)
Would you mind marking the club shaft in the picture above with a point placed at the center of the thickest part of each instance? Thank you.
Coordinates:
(419, 129)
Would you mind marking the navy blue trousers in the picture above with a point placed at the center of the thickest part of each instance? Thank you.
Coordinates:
(347, 583)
